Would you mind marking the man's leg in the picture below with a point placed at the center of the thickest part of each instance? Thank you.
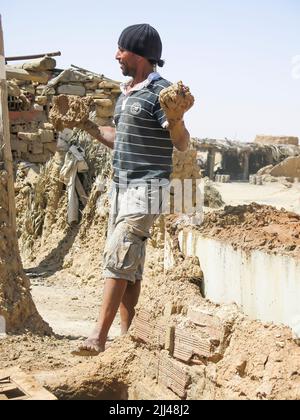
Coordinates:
(114, 290)
(128, 304)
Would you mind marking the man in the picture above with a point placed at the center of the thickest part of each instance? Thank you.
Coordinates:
(143, 143)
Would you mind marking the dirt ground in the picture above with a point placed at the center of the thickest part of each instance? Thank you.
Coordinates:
(271, 194)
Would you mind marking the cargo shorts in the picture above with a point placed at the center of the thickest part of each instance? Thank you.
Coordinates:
(129, 225)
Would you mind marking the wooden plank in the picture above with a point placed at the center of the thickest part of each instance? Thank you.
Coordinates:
(24, 387)
(21, 74)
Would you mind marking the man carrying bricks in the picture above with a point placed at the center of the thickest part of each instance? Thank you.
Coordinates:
(148, 124)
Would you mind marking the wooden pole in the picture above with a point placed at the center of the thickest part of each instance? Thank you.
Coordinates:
(5, 147)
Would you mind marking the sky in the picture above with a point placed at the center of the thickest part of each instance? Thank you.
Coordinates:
(241, 59)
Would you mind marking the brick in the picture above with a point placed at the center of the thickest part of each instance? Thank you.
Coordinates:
(148, 331)
(209, 323)
(23, 147)
(170, 339)
(46, 136)
(108, 85)
(29, 136)
(173, 375)
(14, 145)
(187, 345)
(105, 103)
(37, 148)
(42, 158)
(104, 112)
(50, 147)
(77, 90)
(144, 330)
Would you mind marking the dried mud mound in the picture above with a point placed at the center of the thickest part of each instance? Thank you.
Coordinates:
(253, 227)
(69, 111)
(16, 304)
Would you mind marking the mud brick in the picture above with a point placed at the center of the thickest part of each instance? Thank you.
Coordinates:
(46, 136)
(173, 375)
(23, 147)
(51, 147)
(14, 145)
(77, 90)
(160, 335)
(41, 158)
(37, 148)
(144, 315)
(210, 324)
(187, 345)
(144, 330)
(29, 136)
(170, 339)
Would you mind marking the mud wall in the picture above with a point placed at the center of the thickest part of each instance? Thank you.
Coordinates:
(16, 304)
(265, 286)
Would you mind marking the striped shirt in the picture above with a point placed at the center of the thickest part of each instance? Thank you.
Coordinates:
(143, 147)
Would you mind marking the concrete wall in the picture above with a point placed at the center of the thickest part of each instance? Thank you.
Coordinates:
(266, 287)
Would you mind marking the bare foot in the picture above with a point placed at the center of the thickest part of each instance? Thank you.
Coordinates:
(91, 347)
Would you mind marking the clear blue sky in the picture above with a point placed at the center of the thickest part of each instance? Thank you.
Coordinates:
(235, 55)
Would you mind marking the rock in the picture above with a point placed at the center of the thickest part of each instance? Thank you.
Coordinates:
(77, 90)
(290, 167)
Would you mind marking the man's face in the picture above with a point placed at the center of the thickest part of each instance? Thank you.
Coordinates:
(128, 62)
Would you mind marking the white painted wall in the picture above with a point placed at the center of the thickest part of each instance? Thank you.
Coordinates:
(266, 287)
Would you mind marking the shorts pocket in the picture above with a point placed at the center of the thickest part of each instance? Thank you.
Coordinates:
(125, 255)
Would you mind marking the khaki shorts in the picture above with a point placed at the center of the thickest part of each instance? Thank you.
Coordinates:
(128, 230)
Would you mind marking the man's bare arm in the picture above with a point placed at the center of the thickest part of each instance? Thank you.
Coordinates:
(180, 136)
(105, 135)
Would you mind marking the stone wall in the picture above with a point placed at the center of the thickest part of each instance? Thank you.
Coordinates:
(33, 138)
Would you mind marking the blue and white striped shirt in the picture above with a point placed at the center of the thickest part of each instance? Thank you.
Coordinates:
(143, 147)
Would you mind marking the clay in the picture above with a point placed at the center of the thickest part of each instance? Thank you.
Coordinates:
(176, 100)
(16, 304)
(69, 111)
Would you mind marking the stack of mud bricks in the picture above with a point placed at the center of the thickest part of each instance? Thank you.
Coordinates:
(224, 179)
(256, 180)
(185, 167)
(180, 351)
(33, 138)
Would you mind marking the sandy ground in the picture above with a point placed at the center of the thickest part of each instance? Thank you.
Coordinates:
(273, 194)
(69, 307)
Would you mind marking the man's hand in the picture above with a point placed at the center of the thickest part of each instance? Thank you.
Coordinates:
(175, 101)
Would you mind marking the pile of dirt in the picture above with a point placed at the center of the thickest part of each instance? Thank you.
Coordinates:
(255, 227)
(69, 111)
(212, 197)
(16, 304)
